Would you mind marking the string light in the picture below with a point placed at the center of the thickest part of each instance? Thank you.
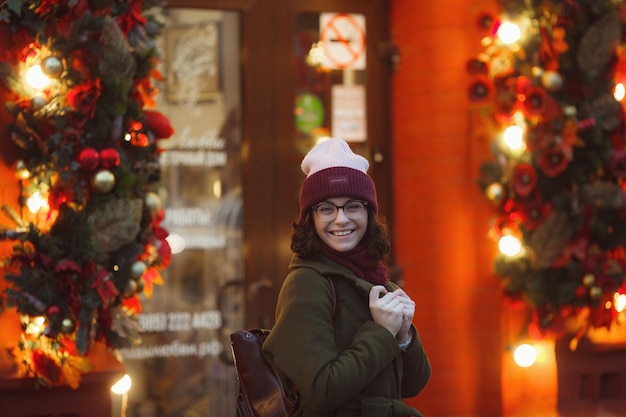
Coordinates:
(510, 245)
(176, 242)
(35, 325)
(509, 33)
(122, 385)
(36, 78)
(619, 302)
(514, 137)
(619, 91)
(316, 56)
(36, 202)
(525, 355)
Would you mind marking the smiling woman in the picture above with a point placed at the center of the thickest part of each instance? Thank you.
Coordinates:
(371, 338)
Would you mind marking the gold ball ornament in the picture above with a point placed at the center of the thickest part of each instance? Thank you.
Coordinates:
(589, 279)
(137, 270)
(552, 81)
(130, 289)
(21, 172)
(595, 292)
(153, 202)
(103, 181)
(52, 66)
(140, 286)
(495, 193)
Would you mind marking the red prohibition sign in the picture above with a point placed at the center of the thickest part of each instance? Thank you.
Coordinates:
(333, 33)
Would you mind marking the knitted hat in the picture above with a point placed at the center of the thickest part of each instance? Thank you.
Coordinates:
(333, 170)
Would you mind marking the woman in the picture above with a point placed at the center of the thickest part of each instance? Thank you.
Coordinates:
(349, 345)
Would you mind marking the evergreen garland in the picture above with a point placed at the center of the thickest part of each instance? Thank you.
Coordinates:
(88, 146)
(563, 193)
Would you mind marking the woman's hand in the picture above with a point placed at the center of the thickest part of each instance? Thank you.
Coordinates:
(387, 308)
(408, 312)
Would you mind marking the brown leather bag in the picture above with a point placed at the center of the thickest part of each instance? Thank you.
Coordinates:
(261, 390)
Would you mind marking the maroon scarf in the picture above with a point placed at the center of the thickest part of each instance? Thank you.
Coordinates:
(358, 261)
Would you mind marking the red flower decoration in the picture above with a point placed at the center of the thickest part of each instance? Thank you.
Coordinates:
(553, 161)
(524, 179)
(106, 287)
(476, 66)
(158, 124)
(534, 102)
(45, 366)
(133, 304)
(83, 98)
(480, 90)
(132, 18)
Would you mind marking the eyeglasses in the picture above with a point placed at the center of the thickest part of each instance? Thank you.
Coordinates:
(352, 209)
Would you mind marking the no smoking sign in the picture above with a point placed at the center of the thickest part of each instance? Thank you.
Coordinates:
(343, 37)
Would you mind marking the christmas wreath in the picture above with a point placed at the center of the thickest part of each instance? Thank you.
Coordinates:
(88, 242)
(549, 84)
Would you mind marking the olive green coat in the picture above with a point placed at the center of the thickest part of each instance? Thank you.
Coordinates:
(348, 366)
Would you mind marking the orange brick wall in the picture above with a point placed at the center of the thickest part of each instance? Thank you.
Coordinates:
(440, 217)
(441, 222)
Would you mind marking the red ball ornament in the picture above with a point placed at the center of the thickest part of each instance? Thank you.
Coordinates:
(89, 159)
(581, 291)
(52, 310)
(109, 158)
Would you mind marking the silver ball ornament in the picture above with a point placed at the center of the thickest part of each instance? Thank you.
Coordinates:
(52, 66)
(137, 269)
(38, 103)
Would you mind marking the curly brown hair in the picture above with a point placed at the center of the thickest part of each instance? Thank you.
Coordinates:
(306, 243)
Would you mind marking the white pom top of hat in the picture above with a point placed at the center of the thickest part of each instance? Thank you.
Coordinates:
(332, 152)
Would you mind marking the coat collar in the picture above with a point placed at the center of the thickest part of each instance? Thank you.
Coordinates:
(325, 266)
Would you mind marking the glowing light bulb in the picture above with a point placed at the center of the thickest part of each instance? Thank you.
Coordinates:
(619, 91)
(509, 245)
(176, 242)
(36, 78)
(514, 137)
(122, 385)
(316, 55)
(525, 355)
(36, 202)
(509, 33)
(36, 325)
(620, 302)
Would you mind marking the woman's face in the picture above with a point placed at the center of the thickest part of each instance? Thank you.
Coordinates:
(341, 222)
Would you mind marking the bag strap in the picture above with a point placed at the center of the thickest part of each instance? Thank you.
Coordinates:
(334, 295)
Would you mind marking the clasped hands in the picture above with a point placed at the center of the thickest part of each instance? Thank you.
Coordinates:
(392, 310)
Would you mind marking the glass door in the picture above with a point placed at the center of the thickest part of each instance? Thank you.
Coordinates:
(183, 367)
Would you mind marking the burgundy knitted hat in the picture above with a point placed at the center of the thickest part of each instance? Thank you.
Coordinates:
(333, 170)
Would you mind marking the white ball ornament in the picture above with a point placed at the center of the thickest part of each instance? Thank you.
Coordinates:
(153, 202)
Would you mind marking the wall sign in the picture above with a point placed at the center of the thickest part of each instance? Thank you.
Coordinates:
(348, 114)
(343, 37)
(308, 112)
